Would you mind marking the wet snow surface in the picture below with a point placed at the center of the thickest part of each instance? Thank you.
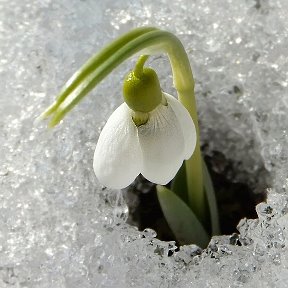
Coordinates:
(59, 227)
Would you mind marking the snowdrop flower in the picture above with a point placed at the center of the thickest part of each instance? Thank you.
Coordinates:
(156, 149)
(151, 133)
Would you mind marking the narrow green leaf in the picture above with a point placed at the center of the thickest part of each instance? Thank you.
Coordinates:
(94, 62)
(179, 187)
(100, 72)
(179, 184)
(156, 39)
(181, 219)
(212, 202)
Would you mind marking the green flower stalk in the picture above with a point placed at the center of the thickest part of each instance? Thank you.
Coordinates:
(130, 132)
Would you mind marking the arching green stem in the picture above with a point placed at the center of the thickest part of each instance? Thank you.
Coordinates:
(148, 42)
(138, 70)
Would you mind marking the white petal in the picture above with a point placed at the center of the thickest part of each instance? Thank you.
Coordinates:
(162, 144)
(186, 123)
(118, 156)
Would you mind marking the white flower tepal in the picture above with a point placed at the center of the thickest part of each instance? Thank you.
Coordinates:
(155, 149)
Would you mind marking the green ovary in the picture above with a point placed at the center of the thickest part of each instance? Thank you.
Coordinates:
(141, 89)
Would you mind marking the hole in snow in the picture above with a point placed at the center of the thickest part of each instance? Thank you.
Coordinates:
(236, 200)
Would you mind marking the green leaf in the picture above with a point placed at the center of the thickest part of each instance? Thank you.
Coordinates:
(100, 65)
(181, 219)
(211, 199)
(78, 78)
(179, 184)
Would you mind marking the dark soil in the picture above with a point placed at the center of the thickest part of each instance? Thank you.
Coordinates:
(235, 200)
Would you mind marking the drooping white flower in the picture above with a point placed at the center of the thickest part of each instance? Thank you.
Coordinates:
(155, 149)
